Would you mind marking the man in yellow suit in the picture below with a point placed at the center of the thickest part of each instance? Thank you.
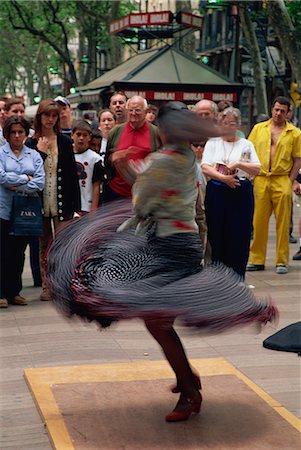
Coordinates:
(278, 146)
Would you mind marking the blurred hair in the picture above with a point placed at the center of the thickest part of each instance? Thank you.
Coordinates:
(118, 93)
(214, 107)
(231, 112)
(282, 101)
(137, 97)
(81, 125)
(15, 120)
(96, 134)
(13, 101)
(46, 106)
(180, 125)
(223, 104)
(153, 108)
(106, 110)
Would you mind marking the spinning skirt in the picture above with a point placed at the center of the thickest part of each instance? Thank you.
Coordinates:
(104, 275)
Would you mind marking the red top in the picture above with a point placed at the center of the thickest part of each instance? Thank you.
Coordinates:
(139, 139)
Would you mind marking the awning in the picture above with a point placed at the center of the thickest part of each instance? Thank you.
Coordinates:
(74, 98)
(88, 96)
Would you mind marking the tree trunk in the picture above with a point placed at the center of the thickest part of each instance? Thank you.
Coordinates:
(186, 41)
(253, 47)
(114, 52)
(90, 64)
(29, 84)
(80, 54)
(283, 27)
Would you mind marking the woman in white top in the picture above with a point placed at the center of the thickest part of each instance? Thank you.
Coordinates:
(229, 163)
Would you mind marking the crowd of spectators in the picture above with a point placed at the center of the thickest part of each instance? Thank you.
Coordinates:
(74, 168)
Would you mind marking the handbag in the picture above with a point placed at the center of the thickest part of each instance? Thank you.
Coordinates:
(26, 216)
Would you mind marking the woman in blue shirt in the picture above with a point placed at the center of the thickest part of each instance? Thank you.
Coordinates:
(21, 170)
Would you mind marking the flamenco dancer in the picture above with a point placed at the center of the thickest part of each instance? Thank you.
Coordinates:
(151, 267)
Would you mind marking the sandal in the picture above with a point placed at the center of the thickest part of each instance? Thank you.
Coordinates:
(3, 303)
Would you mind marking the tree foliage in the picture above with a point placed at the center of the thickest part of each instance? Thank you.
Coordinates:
(285, 18)
(254, 50)
(43, 36)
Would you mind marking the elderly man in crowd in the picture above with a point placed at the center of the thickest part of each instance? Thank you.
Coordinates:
(138, 135)
(206, 109)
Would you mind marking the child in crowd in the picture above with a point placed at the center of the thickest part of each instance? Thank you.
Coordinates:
(95, 142)
(87, 166)
(152, 113)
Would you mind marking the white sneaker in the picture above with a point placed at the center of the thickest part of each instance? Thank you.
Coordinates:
(281, 269)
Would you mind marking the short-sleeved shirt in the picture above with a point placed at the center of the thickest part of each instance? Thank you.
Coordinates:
(288, 147)
(218, 151)
(88, 173)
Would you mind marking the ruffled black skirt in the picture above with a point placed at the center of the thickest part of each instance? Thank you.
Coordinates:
(104, 275)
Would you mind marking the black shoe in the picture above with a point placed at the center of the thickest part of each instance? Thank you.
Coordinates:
(254, 267)
(292, 239)
(297, 256)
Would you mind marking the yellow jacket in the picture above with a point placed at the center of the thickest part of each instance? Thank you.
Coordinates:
(288, 147)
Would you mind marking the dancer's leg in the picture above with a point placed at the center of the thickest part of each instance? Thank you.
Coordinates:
(166, 336)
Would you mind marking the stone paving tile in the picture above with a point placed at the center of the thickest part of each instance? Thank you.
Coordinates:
(287, 398)
(237, 350)
(12, 350)
(28, 437)
(144, 355)
(263, 360)
(264, 372)
(74, 357)
(16, 362)
(67, 345)
(9, 331)
(279, 385)
(12, 374)
(128, 344)
(207, 352)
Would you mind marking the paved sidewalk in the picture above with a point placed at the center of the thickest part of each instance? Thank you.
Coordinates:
(37, 336)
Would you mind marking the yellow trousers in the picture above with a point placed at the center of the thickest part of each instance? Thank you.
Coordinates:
(271, 193)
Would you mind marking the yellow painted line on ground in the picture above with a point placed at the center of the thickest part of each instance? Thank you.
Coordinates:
(41, 380)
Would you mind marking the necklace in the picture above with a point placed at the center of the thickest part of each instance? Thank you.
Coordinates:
(227, 156)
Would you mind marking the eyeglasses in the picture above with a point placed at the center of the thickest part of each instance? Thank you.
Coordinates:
(198, 144)
(135, 111)
(230, 124)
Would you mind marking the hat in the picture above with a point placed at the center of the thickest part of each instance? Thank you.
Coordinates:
(62, 100)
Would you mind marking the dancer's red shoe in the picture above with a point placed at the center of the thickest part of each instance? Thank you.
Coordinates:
(184, 408)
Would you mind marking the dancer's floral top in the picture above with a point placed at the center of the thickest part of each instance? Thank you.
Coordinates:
(165, 203)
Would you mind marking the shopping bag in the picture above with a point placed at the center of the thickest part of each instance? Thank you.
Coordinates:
(26, 216)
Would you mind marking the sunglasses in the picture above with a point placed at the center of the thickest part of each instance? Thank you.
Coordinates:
(198, 144)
